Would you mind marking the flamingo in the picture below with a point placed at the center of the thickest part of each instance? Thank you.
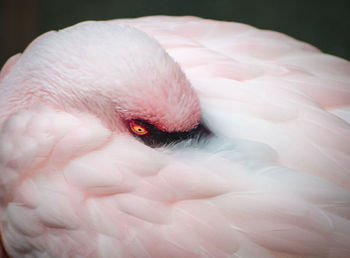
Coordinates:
(174, 137)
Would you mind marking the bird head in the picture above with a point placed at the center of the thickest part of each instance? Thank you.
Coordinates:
(120, 74)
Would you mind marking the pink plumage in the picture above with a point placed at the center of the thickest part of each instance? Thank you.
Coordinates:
(273, 179)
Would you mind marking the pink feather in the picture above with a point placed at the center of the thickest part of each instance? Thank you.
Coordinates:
(274, 181)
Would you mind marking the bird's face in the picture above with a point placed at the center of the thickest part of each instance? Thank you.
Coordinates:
(158, 104)
(121, 75)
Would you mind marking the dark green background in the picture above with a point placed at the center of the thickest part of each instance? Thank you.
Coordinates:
(322, 23)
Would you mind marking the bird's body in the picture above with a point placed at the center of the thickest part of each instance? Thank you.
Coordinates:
(273, 181)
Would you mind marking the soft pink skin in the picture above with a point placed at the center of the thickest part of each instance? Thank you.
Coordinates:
(75, 183)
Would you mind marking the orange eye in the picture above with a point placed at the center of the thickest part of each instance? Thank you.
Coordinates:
(137, 129)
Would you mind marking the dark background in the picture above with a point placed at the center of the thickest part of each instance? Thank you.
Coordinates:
(323, 23)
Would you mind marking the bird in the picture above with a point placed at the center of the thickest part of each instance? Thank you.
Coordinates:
(166, 136)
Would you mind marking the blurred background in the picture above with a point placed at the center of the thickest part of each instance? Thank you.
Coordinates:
(323, 23)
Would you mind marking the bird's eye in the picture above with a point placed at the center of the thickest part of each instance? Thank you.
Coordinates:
(137, 128)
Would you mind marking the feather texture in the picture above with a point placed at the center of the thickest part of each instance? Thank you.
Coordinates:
(273, 182)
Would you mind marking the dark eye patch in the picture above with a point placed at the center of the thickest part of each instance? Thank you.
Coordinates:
(158, 138)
